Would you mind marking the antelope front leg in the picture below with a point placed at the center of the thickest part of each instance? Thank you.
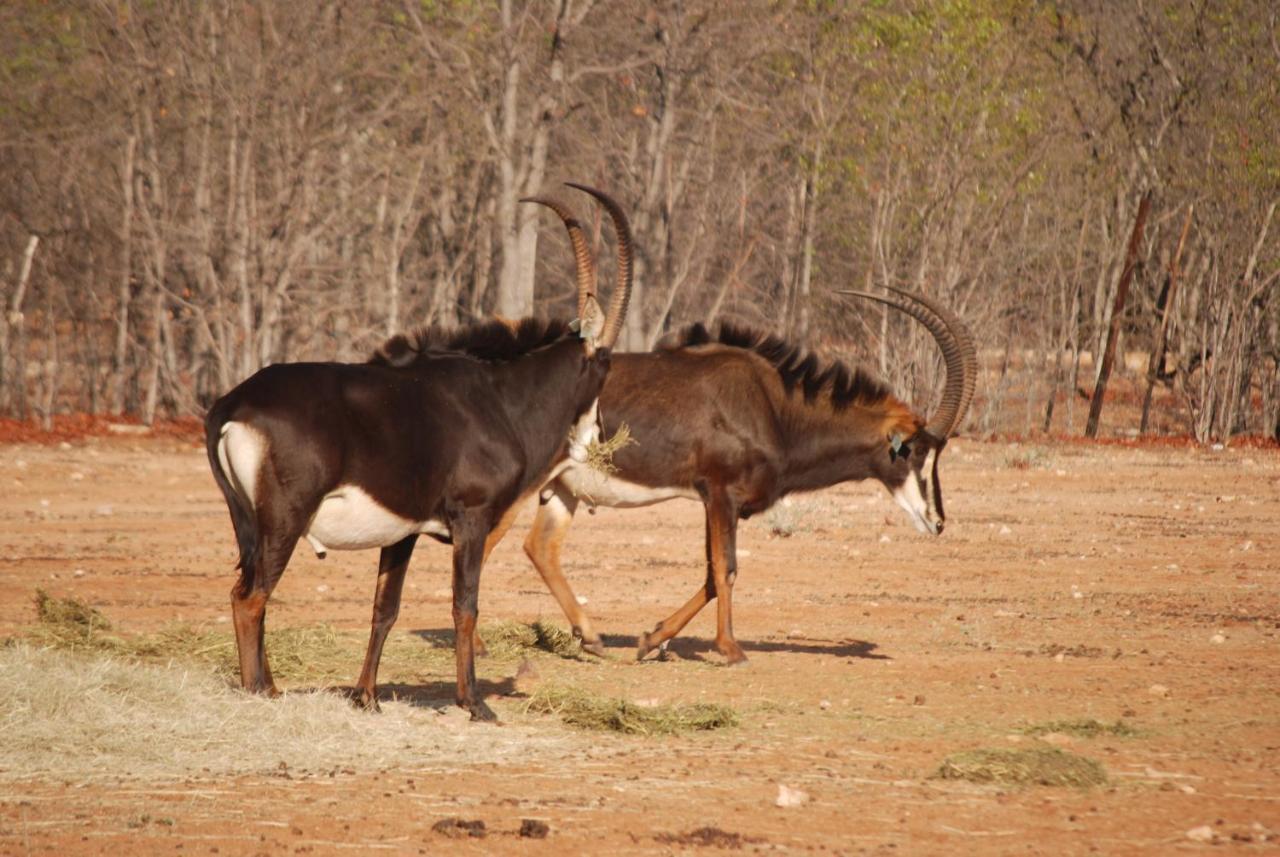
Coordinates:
(468, 557)
(392, 564)
(543, 545)
(722, 568)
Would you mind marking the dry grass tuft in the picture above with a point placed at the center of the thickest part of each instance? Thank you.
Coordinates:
(1045, 766)
(1084, 728)
(606, 714)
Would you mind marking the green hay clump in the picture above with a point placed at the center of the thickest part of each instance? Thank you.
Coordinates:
(600, 452)
(70, 623)
(556, 640)
(1083, 728)
(1045, 766)
(606, 714)
(505, 640)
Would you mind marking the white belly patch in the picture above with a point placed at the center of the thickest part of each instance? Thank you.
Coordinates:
(596, 489)
(349, 519)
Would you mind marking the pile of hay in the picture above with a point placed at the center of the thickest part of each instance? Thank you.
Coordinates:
(86, 716)
(1045, 766)
(1084, 728)
(607, 714)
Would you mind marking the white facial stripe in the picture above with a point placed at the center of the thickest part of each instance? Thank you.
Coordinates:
(908, 496)
(926, 474)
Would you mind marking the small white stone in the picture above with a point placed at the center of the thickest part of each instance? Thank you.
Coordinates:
(44, 504)
(76, 476)
(1203, 833)
(323, 587)
(1077, 594)
(222, 620)
(1219, 639)
(789, 797)
(1059, 657)
(1186, 789)
(79, 572)
(884, 539)
(824, 704)
(104, 511)
(1247, 546)
(1158, 690)
(1005, 531)
(581, 599)
(743, 552)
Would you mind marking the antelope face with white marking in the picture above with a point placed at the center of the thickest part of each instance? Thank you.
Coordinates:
(914, 480)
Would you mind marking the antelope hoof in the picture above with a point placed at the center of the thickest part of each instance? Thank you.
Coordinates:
(662, 651)
(643, 647)
(368, 700)
(594, 647)
(733, 655)
(481, 713)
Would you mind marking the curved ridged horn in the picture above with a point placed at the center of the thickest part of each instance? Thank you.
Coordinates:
(622, 287)
(584, 264)
(959, 354)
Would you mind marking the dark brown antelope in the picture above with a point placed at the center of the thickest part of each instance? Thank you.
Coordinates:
(740, 420)
(440, 433)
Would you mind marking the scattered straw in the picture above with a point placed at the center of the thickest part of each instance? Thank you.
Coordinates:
(556, 640)
(84, 716)
(605, 714)
(1046, 766)
(600, 452)
(1085, 728)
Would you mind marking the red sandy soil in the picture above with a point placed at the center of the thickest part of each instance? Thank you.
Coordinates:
(1073, 581)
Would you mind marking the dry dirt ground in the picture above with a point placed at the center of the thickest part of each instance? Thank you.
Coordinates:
(1073, 582)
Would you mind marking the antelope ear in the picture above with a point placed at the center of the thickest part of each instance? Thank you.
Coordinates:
(897, 447)
(591, 325)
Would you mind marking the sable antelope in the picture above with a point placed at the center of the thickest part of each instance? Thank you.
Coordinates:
(740, 420)
(439, 433)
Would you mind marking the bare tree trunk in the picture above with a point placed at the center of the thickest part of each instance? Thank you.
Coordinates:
(1156, 361)
(120, 356)
(1117, 311)
(809, 204)
(14, 319)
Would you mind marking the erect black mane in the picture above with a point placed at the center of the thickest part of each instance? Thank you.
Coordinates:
(797, 366)
(492, 341)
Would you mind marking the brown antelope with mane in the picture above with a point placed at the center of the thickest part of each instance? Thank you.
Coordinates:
(738, 421)
(440, 433)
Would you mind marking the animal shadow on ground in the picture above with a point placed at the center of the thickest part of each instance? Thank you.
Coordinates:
(694, 648)
(429, 694)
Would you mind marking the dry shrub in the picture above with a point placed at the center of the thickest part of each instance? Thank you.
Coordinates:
(1045, 766)
(607, 714)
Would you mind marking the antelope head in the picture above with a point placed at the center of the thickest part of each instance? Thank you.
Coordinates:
(911, 472)
(598, 331)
